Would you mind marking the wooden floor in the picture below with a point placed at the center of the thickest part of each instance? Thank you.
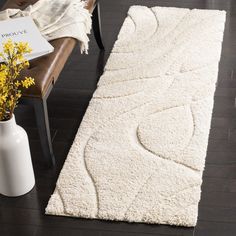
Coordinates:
(24, 216)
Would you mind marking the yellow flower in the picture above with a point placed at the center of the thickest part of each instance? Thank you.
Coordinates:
(3, 67)
(8, 47)
(2, 78)
(10, 86)
(27, 82)
(23, 48)
(26, 63)
(18, 95)
(17, 83)
(11, 101)
(3, 98)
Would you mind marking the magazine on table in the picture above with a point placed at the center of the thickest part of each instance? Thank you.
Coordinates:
(23, 29)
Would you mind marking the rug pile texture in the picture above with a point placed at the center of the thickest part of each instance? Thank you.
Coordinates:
(140, 150)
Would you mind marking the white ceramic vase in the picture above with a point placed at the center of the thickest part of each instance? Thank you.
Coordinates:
(16, 170)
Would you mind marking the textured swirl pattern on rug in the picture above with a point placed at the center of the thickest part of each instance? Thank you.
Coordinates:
(140, 150)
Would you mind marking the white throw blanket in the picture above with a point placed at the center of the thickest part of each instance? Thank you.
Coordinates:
(57, 19)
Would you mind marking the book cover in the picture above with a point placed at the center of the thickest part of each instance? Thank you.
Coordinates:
(23, 29)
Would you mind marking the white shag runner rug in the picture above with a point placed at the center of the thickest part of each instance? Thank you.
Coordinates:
(140, 151)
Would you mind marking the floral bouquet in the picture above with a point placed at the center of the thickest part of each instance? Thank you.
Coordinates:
(10, 84)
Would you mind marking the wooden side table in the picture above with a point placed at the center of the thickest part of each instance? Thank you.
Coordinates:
(46, 70)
